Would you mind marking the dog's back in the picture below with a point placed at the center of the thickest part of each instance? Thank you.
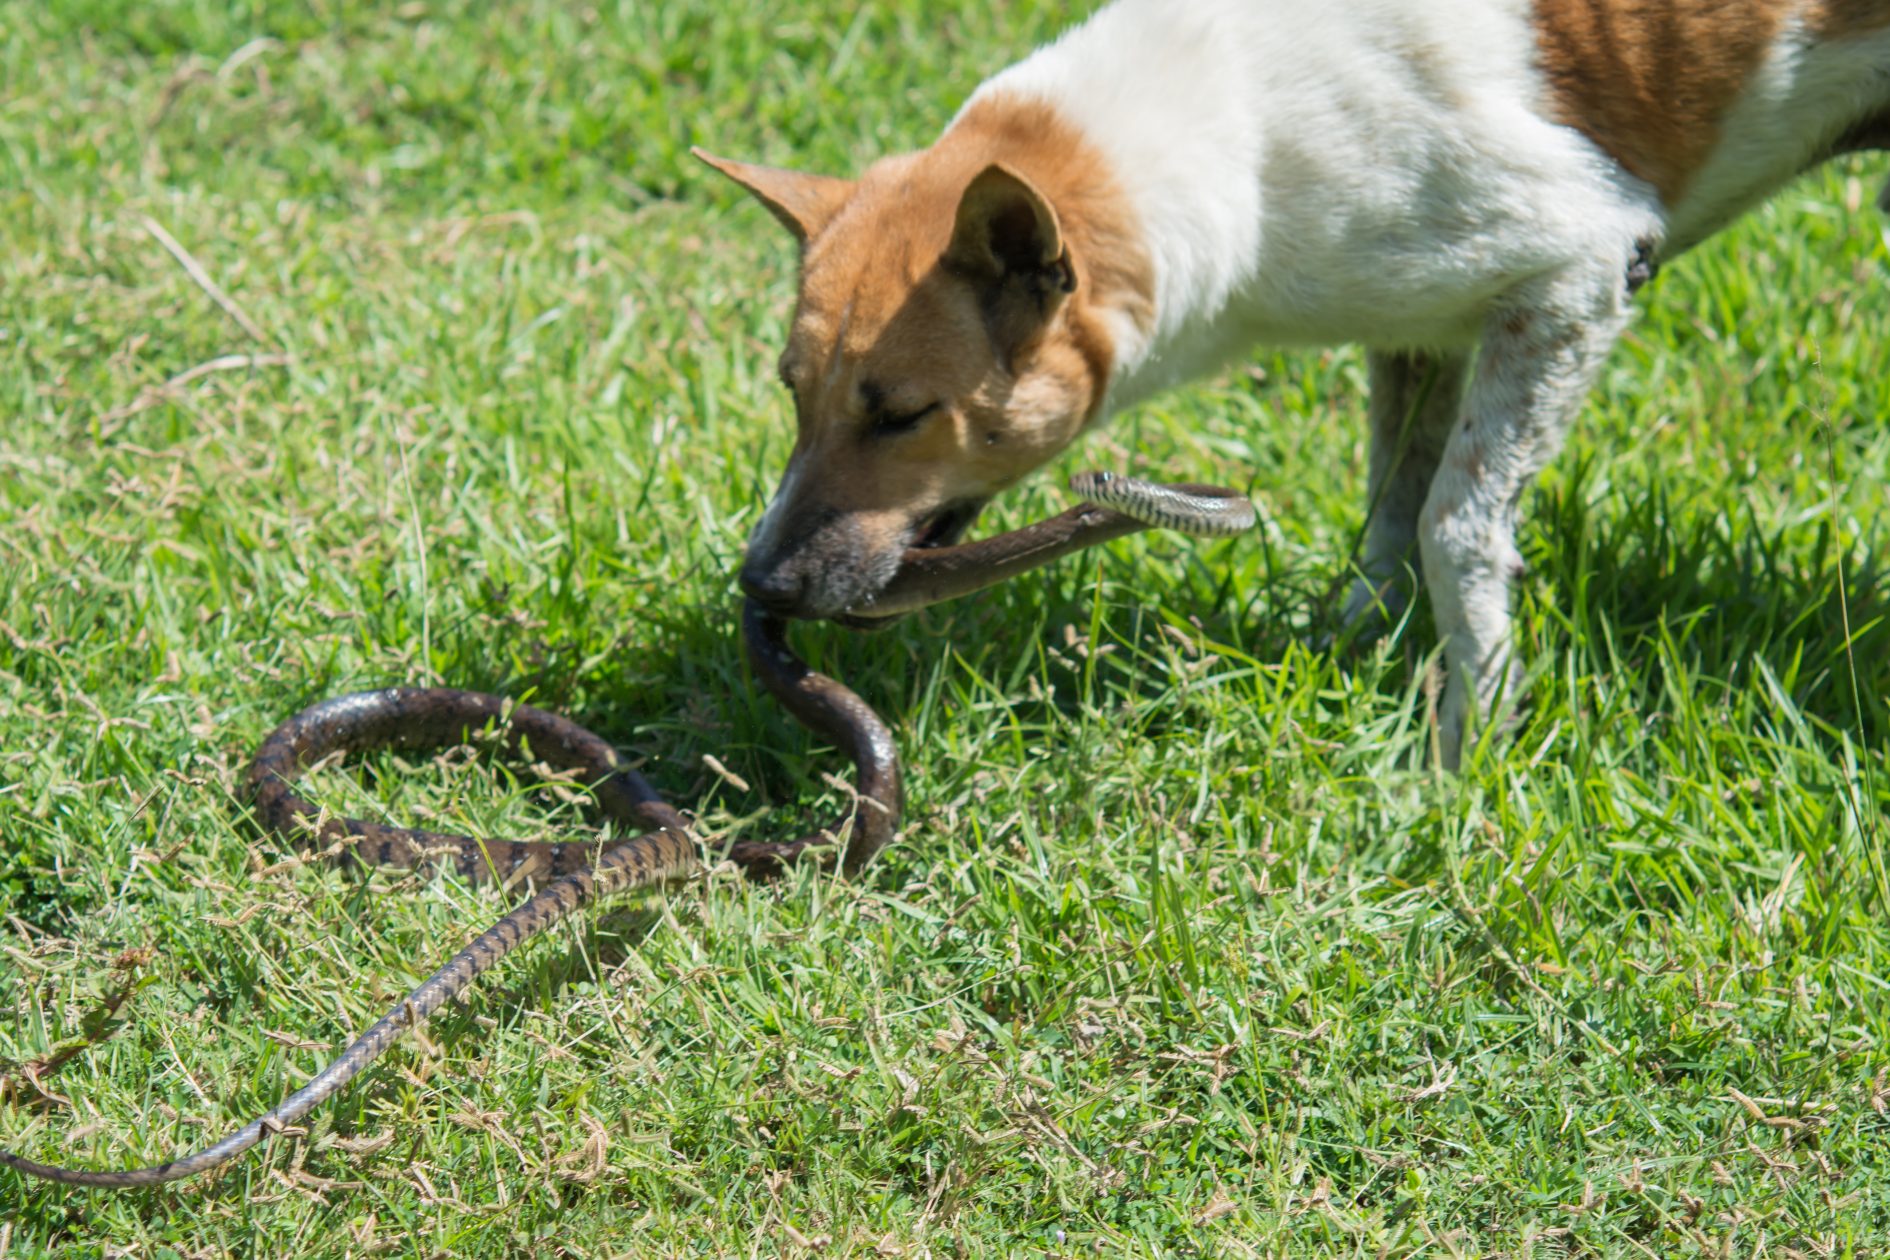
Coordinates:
(1378, 170)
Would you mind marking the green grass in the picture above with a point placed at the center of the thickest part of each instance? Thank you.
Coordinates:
(1182, 951)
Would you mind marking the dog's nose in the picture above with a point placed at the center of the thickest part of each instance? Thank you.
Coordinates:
(774, 590)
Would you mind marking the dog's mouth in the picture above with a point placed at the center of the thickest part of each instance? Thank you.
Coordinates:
(945, 526)
(942, 528)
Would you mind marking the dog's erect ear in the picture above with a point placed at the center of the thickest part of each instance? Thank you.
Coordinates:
(803, 203)
(1005, 228)
(1007, 241)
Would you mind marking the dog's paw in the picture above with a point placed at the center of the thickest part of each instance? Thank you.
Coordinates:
(1492, 711)
(1452, 717)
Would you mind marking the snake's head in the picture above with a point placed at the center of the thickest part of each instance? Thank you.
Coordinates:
(949, 339)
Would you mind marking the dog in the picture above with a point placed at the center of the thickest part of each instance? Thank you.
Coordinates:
(1471, 189)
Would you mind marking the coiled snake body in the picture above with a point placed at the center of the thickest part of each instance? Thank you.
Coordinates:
(582, 873)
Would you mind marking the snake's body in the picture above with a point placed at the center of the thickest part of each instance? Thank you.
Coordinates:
(583, 873)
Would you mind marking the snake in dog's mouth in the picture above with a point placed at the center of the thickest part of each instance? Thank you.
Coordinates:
(663, 847)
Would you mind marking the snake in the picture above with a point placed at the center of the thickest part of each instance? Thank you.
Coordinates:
(578, 874)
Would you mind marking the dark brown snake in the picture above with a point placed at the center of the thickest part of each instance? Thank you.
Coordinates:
(583, 873)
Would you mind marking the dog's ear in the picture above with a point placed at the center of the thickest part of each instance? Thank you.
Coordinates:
(1007, 241)
(803, 203)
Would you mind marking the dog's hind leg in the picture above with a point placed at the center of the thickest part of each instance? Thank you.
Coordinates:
(1415, 398)
(1542, 347)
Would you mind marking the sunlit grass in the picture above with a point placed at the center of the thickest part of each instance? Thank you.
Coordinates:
(1183, 950)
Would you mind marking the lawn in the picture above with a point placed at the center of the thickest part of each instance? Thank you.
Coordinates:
(1183, 950)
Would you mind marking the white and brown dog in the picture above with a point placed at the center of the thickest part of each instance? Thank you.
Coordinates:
(1469, 188)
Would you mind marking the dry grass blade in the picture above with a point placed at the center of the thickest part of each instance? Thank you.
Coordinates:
(168, 389)
(195, 270)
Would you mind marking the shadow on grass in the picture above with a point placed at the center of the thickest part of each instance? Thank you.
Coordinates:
(1655, 589)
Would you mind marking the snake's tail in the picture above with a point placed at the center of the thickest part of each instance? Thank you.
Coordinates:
(638, 862)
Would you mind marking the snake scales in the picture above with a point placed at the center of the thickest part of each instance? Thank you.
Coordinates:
(583, 873)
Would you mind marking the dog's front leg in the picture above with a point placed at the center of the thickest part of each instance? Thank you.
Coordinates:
(1540, 352)
(1414, 401)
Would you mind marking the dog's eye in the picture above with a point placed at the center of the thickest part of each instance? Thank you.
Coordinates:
(887, 423)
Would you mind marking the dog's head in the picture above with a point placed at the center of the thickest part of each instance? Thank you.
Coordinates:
(942, 348)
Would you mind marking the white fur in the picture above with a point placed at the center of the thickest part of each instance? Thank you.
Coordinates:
(1798, 101)
(1312, 173)
(1387, 172)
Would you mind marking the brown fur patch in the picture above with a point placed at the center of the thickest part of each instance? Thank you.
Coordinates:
(1650, 81)
(801, 203)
